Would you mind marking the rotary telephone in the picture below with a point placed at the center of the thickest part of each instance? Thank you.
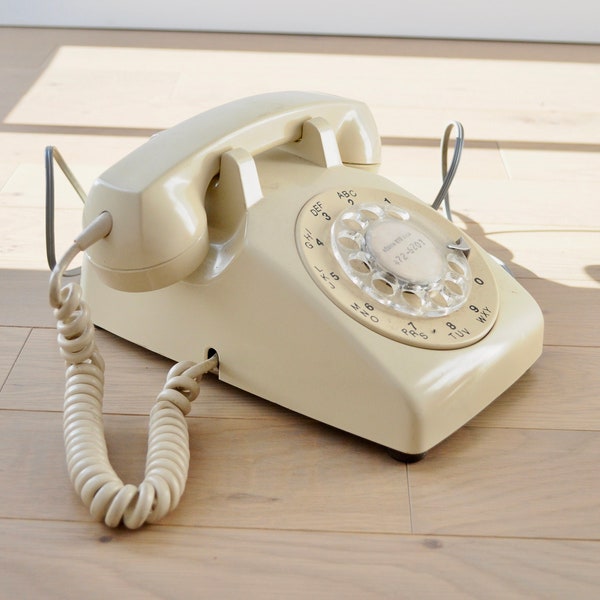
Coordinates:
(256, 241)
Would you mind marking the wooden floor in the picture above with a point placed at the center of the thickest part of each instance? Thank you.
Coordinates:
(278, 506)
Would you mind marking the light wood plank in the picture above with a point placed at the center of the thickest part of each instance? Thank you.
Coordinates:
(565, 204)
(24, 298)
(26, 48)
(509, 482)
(539, 164)
(560, 391)
(87, 152)
(416, 158)
(176, 82)
(568, 307)
(35, 43)
(284, 473)
(134, 377)
(26, 186)
(74, 560)
(23, 246)
(545, 252)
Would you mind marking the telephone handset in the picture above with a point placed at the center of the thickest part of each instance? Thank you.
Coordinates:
(256, 240)
(156, 194)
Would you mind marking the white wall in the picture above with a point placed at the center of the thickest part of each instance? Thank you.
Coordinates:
(538, 20)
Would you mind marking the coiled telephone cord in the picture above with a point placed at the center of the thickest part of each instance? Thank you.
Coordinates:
(93, 477)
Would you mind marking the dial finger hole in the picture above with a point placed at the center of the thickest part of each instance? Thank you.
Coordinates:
(456, 266)
(453, 287)
(371, 213)
(384, 285)
(360, 264)
(439, 299)
(411, 299)
(350, 241)
(353, 222)
(398, 213)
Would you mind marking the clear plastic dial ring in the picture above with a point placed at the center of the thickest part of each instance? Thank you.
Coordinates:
(393, 263)
(398, 261)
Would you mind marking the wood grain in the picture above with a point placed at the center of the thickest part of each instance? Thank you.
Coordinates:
(568, 309)
(134, 377)
(73, 560)
(509, 482)
(242, 470)
(560, 392)
(24, 298)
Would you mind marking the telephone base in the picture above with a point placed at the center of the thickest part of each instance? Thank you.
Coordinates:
(257, 242)
(326, 288)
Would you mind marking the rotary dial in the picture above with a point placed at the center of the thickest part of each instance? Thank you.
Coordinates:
(399, 262)
(398, 267)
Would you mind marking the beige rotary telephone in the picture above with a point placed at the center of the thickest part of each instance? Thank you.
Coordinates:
(255, 240)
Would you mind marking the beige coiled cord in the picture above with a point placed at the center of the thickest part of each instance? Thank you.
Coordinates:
(93, 477)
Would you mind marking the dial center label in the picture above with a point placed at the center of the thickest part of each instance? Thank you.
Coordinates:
(404, 251)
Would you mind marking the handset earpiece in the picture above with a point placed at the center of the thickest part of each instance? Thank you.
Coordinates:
(156, 194)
